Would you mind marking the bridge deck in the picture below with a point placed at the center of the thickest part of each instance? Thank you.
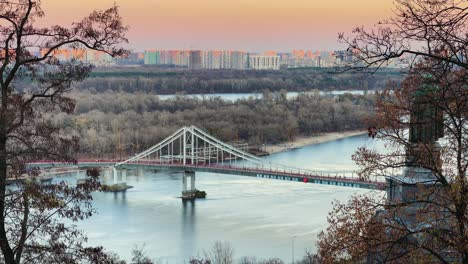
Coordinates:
(233, 170)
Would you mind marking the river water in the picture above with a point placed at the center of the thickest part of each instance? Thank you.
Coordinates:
(258, 217)
(239, 96)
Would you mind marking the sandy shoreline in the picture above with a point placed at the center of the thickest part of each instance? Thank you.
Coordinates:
(305, 141)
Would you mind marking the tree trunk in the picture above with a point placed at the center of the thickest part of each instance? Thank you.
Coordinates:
(4, 245)
(8, 254)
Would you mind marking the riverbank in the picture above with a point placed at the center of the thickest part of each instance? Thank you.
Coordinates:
(302, 141)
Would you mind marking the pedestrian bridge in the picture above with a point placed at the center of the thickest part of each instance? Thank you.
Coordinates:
(192, 150)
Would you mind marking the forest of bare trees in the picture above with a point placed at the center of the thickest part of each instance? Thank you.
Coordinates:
(171, 81)
(114, 123)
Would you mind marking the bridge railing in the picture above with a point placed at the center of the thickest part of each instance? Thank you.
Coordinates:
(344, 176)
(187, 147)
(193, 133)
(264, 166)
(299, 173)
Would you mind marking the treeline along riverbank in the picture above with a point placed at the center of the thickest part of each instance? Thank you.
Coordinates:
(170, 81)
(119, 124)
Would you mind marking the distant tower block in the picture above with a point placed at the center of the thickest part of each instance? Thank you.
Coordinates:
(195, 59)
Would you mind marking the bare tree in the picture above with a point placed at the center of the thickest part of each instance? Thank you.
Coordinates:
(221, 253)
(271, 261)
(423, 218)
(33, 86)
(139, 256)
(310, 258)
(433, 29)
(199, 261)
(248, 260)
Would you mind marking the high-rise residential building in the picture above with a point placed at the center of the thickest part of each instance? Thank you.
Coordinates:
(284, 58)
(303, 58)
(66, 54)
(343, 56)
(164, 57)
(327, 59)
(226, 59)
(180, 57)
(151, 57)
(167, 57)
(212, 59)
(84, 55)
(98, 57)
(216, 59)
(133, 58)
(239, 60)
(270, 53)
(298, 53)
(195, 59)
(262, 62)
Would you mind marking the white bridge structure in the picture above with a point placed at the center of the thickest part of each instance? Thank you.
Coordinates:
(192, 150)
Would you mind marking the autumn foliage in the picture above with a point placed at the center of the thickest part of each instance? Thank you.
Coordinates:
(426, 222)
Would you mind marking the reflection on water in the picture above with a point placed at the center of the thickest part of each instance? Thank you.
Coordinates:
(120, 198)
(188, 225)
(258, 217)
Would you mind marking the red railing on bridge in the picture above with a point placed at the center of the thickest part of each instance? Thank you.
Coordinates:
(308, 176)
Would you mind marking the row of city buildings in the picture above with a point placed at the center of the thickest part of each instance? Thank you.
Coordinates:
(212, 59)
(98, 58)
(241, 60)
(215, 59)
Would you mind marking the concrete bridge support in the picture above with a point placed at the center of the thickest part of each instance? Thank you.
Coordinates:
(123, 177)
(185, 177)
(119, 175)
(140, 172)
(115, 173)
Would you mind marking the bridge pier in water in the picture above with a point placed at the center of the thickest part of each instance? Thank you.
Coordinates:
(185, 191)
(119, 176)
(119, 181)
(190, 193)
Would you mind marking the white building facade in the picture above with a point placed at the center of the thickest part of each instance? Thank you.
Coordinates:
(264, 62)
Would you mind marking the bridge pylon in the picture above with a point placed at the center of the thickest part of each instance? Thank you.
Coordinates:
(192, 146)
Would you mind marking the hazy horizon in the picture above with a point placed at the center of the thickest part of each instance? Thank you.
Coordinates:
(253, 26)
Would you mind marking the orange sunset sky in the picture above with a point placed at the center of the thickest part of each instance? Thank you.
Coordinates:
(252, 25)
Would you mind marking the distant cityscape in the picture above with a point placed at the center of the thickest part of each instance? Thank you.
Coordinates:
(218, 59)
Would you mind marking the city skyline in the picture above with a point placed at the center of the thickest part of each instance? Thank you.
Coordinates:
(254, 26)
